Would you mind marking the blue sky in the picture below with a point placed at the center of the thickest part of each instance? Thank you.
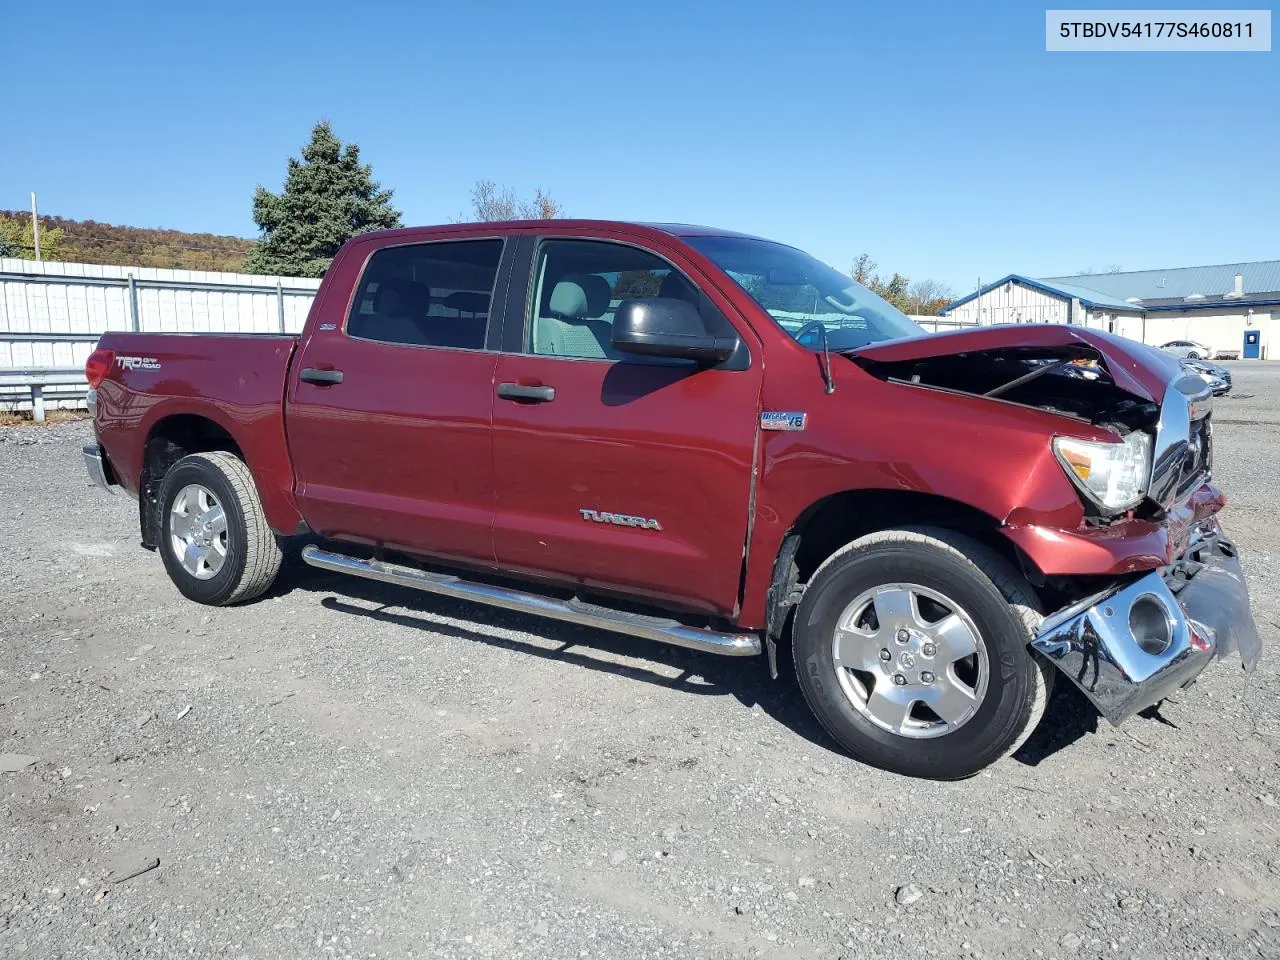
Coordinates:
(939, 137)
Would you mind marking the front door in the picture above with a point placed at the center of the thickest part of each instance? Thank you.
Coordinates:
(388, 415)
(1252, 344)
(612, 472)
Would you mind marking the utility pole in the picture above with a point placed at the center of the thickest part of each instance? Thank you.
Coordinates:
(35, 224)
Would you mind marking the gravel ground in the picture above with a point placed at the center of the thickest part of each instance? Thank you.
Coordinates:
(349, 770)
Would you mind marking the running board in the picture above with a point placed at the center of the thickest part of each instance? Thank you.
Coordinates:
(572, 611)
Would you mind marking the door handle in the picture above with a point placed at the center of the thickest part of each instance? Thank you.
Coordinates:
(518, 391)
(323, 378)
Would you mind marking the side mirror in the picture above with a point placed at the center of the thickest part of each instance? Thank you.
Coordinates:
(667, 327)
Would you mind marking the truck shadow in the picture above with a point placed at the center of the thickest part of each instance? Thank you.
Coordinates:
(688, 671)
(1068, 718)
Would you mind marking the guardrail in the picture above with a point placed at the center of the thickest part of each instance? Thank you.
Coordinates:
(28, 336)
(36, 384)
(35, 381)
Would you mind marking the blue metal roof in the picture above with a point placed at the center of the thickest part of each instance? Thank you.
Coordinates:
(1067, 291)
(1089, 296)
(1259, 278)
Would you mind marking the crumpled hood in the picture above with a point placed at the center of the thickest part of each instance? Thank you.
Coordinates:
(1134, 367)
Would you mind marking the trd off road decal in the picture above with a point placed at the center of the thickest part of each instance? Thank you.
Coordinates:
(137, 363)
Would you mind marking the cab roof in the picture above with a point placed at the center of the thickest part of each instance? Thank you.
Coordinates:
(499, 226)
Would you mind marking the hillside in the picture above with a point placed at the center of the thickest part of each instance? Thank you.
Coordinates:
(87, 241)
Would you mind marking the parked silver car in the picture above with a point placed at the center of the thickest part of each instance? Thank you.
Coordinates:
(1188, 350)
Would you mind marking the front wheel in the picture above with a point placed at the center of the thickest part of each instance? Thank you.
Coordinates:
(911, 648)
(215, 541)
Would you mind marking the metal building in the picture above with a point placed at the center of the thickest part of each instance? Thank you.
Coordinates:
(1229, 308)
(1019, 299)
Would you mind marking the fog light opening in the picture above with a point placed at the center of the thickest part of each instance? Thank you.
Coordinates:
(1149, 622)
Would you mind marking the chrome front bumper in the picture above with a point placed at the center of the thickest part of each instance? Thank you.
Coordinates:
(95, 463)
(1205, 603)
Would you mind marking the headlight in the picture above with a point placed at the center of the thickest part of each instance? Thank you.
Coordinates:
(1112, 475)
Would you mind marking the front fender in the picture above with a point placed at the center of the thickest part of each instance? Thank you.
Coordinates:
(1128, 546)
(993, 457)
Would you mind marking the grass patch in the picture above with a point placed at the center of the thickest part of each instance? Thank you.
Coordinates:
(22, 418)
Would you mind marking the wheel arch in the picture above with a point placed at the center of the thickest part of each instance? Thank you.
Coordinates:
(170, 438)
(837, 519)
(828, 524)
(176, 434)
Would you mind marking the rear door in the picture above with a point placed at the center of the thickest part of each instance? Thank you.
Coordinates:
(390, 403)
(622, 474)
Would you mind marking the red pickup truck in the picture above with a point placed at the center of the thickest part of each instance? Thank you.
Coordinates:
(711, 440)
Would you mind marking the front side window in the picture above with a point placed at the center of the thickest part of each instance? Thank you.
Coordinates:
(804, 295)
(427, 294)
(578, 285)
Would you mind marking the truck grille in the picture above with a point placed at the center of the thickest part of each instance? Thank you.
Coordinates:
(1183, 443)
(1199, 456)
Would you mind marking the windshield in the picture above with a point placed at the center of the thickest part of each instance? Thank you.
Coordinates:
(804, 295)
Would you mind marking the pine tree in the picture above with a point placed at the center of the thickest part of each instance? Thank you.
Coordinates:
(329, 196)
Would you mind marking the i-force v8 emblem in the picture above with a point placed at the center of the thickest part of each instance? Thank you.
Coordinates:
(783, 420)
(621, 519)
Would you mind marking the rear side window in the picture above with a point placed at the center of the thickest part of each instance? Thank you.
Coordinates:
(427, 294)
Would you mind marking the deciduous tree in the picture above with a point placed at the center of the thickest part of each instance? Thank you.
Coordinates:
(17, 240)
(927, 297)
(923, 297)
(490, 202)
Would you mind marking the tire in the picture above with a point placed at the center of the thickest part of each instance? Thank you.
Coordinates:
(979, 600)
(1194, 355)
(227, 560)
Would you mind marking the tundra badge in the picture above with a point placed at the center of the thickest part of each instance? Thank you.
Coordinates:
(621, 519)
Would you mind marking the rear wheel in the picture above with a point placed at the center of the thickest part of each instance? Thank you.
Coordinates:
(911, 647)
(215, 541)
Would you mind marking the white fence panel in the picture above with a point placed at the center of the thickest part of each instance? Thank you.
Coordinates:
(51, 314)
(940, 324)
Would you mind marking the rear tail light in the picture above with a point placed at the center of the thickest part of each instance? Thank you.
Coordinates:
(98, 366)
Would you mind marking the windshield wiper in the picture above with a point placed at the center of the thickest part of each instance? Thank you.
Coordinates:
(827, 378)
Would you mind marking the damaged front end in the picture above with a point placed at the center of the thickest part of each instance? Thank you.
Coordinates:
(1176, 598)
(1076, 374)
(1131, 646)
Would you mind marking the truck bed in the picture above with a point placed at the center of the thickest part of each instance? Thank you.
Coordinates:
(235, 380)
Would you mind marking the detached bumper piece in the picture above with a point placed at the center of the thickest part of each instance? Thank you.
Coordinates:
(99, 470)
(1131, 647)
